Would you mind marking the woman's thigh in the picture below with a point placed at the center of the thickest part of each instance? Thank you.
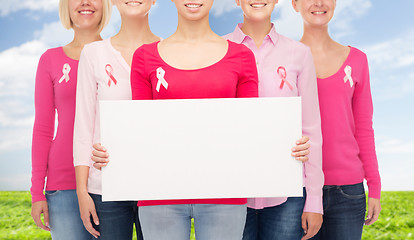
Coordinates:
(172, 222)
(219, 221)
(116, 219)
(344, 212)
(283, 221)
(65, 222)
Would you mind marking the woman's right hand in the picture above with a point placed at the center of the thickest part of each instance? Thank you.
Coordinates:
(99, 156)
(87, 209)
(39, 208)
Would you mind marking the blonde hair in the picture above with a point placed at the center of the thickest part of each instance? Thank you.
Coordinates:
(67, 21)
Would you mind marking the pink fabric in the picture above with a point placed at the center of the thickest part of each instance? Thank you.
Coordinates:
(54, 91)
(99, 65)
(235, 75)
(280, 58)
(346, 112)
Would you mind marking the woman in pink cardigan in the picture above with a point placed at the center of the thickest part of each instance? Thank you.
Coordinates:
(346, 115)
(55, 91)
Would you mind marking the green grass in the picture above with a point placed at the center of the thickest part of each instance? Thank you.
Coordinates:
(396, 220)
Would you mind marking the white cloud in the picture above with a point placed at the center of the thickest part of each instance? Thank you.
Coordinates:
(289, 22)
(391, 66)
(9, 6)
(394, 53)
(345, 13)
(221, 7)
(396, 146)
(18, 68)
(16, 137)
(20, 182)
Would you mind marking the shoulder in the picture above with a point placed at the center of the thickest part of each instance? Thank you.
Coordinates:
(148, 48)
(238, 48)
(53, 53)
(96, 46)
(357, 55)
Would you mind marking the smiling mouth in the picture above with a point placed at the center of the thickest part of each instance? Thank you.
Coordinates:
(86, 12)
(258, 5)
(319, 12)
(133, 3)
(193, 5)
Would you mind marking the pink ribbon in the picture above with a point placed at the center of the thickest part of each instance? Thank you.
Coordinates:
(282, 74)
(109, 70)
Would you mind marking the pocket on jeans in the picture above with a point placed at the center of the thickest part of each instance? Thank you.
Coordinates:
(52, 193)
(352, 191)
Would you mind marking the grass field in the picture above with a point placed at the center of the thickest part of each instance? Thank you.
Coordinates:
(396, 219)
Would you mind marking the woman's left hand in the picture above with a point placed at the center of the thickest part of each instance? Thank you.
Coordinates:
(374, 209)
(311, 223)
(301, 150)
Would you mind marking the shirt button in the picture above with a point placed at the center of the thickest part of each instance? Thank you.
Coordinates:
(257, 63)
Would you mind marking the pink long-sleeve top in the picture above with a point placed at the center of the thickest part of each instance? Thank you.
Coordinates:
(286, 69)
(103, 75)
(55, 90)
(235, 75)
(346, 112)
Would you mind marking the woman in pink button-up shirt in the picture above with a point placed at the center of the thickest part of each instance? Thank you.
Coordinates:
(285, 68)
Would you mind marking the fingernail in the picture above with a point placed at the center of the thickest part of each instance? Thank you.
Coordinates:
(104, 149)
(293, 149)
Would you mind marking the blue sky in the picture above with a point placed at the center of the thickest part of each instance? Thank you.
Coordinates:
(379, 28)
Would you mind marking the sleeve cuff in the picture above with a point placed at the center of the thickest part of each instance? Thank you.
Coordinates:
(374, 191)
(38, 198)
(313, 204)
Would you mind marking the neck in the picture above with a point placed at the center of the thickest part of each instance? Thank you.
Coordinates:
(134, 32)
(317, 38)
(257, 30)
(83, 36)
(188, 30)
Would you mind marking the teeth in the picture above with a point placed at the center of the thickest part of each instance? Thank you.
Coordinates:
(86, 12)
(258, 5)
(318, 12)
(133, 3)
(193, 5)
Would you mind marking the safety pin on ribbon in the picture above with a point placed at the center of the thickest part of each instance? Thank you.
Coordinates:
(109, 70)
(161, 79)
(282, 74)
(65, 71)
(348, 73)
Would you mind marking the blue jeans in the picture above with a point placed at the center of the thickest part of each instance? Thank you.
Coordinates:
(116, 219)
(282, 222)
(344, 212)
(211, 221)
(64, 217)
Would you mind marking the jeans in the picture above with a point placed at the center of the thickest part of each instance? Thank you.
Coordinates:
(344, 212)
(64, 217)
(211, 221)
(116, 219)
(282, 222)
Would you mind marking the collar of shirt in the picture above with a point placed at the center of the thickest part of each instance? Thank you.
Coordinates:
(240, 37)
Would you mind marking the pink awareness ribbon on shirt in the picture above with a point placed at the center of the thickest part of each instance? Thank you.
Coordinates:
(161, 79)
(65, 71)
(282, 74)
(348, 73)
(109, 70)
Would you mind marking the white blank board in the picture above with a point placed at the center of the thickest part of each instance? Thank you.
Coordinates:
(201, 148)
